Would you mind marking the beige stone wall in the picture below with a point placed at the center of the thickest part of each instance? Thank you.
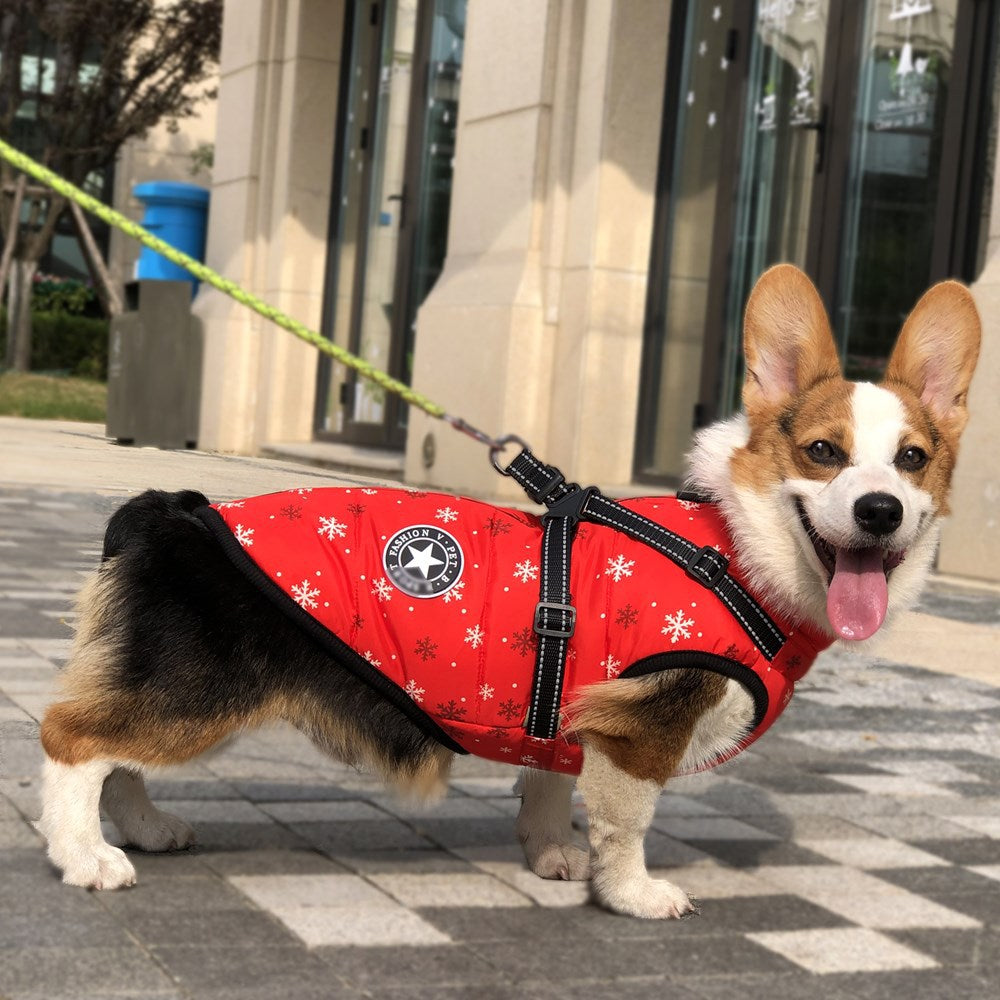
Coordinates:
(279, 75)
(540, 307)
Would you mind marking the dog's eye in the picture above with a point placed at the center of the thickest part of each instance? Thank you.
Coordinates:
(824, 453)
(911, 459)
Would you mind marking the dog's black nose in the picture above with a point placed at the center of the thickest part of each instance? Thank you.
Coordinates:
(878, 513)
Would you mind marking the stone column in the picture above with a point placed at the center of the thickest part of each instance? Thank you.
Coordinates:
(535, 325)
(970, 541)
(279, 75)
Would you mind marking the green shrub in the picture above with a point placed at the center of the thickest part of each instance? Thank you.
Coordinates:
(52, 294)
(62, 342)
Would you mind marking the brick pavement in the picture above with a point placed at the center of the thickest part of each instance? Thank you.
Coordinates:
(855, 852)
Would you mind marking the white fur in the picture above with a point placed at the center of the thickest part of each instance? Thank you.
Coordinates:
(71, 823)
(545, 829)
(139, 822)
(619, 811)
(720, 729)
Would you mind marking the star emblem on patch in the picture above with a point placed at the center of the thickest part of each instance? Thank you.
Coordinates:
(423, 560)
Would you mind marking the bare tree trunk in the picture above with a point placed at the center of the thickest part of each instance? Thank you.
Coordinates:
(22, 277)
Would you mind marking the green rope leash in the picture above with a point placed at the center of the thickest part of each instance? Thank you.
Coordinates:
(230, 288)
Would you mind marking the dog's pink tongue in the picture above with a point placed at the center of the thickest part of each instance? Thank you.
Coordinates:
(858, 594)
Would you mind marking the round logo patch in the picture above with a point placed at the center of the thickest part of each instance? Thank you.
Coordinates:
(423, 561)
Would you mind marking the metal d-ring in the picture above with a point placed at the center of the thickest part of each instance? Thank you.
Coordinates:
(499, 445)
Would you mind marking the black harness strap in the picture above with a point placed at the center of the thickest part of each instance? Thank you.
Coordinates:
(555, 616)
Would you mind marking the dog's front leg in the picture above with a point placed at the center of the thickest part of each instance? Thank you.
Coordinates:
(619, 811)
(544, 826)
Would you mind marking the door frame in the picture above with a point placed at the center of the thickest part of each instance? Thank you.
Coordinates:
(390, 434)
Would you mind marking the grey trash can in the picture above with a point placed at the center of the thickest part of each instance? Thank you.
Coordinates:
(154, 367)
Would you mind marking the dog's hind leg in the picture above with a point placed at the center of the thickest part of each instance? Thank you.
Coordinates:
(71, 823)
(545, 829)
(140, 823)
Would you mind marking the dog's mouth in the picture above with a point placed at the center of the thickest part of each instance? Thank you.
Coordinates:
(857, 595)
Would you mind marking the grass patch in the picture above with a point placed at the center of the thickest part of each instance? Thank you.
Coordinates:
(51, 397)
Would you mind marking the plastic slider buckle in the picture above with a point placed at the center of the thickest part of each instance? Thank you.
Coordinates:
(542, 495)
(571, 505)
(543, 626)
(708, 566)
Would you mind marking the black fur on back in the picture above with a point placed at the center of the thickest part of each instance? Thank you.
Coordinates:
(195, 640)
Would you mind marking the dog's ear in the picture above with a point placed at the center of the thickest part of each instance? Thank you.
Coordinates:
(787, 341)
(937, 350)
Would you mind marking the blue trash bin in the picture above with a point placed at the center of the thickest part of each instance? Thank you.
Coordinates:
(178, 214)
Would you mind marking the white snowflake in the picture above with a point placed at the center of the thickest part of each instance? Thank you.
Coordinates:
(303, 491)
(690, 504)
(505, 750)
(455, 594)
(612, 667)
(446, 514)
(619, 567)
(305, 595)
(486, 692)
(526, 571)
(528, 760)
(475, 636)
(370, 657)
(230, 504)
(565, 760)
(370, 493)
(416, 693)
(331, 528)
(382, 589)
(244, 535)
(677, 627)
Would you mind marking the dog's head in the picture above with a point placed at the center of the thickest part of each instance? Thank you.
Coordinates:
(833, 490)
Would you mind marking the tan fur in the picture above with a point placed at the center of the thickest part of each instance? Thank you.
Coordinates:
(643, 725)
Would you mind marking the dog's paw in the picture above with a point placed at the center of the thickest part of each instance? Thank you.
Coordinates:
(157, 832)
(562, 861)
(651, 899)
(106, 867)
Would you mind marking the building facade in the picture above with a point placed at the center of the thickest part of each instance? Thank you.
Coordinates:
(546, 215)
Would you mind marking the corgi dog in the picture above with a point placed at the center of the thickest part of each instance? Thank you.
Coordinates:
(831, 492)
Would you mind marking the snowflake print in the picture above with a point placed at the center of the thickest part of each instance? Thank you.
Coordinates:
(524, 641)
(486, 692)
(626, 617)
(416, 494)
(475, 636)
(497, 526)
(446, 514)
(305, 595)
(511, 709)
(506, 750)
(528, 760)
(244, 535)
(526, 571)
(292, 512)
(357, 622)
(357, 509)
(455, 594)
(677, 627)
(416, 693)
(370, 493)
(612, 667)
(426, 649)
(231, 504)
(619, 567)
(382, 589)
(732, 651)
(305, 491)
(331, 528)
(794, 661)
(370, 657)
(451, 710)
(690, 504)
(498, 733)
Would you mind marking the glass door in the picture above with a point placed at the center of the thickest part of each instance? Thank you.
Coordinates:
(396, 133)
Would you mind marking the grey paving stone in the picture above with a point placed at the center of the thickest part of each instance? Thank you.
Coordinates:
(928, 881)
(344, 838)
(79, 972)
(281, 971)
(534, 990)
(237, 928)
(291, 791)
(789, 986)
(247, 837)
(289, 861)
(977, 949)
(522, 924)
(434, 965)
(429, 860)
(933, 984)
(174, 895)
(984, 906)
(753, 853)
(973, 851)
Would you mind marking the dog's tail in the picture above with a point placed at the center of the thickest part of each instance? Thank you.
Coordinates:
(146, 514)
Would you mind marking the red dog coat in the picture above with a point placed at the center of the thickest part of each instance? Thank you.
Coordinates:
(438, 594)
